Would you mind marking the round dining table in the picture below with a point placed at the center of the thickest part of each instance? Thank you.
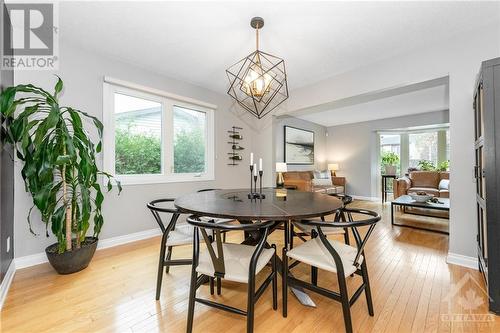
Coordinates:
(279, 205)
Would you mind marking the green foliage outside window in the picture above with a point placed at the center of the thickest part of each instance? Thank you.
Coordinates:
(137, 153)
(189, 151)
(140, 153)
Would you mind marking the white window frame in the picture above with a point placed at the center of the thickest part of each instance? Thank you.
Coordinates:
(168, 101)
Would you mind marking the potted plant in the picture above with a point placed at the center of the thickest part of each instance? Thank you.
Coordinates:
(444, 166)
(59, 169)
(426, 165)
(390, 160)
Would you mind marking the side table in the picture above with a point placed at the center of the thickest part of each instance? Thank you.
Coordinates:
(384, 186)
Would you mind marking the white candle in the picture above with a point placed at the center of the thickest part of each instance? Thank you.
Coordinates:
(255, 169)
(251, 158)
(260, 164)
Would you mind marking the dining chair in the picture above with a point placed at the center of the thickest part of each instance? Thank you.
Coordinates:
(334, 256)
(308, 230)
(233, 262)
(216, 220)
(172, 236)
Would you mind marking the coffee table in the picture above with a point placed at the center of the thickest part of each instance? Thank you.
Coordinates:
(406, 201)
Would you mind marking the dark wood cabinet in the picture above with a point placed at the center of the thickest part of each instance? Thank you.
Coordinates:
(487, 174)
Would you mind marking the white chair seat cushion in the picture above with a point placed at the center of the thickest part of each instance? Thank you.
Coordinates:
(236, 261)
(306, 228)
(182, 235)
(314, 253)
(215, 219)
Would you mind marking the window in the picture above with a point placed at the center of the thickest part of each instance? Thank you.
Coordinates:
(423, 146)
(137, 135)
(150, 137)
(189, 140)
(390, 143)
(447, 145)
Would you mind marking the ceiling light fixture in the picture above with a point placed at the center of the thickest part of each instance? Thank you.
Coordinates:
(258, 81)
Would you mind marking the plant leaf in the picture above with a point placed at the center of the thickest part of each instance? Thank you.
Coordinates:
(58, 87)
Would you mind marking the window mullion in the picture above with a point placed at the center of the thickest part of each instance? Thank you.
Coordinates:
(168, 138)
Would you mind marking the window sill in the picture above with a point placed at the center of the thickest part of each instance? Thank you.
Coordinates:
(163, 180)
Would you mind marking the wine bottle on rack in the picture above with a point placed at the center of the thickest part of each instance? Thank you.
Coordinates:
(236, 136)
(236, 147)
(236, 157)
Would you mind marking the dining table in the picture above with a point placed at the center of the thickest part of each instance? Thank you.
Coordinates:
(282, 206)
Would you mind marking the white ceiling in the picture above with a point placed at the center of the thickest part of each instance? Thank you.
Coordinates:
(430, 99)
(197, 41)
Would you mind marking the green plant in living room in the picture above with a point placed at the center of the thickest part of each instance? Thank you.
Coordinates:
(59, 169)
(444, 166)
(426, 165)
(389, 161)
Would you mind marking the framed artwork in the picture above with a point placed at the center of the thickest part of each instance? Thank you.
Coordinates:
(299, 146)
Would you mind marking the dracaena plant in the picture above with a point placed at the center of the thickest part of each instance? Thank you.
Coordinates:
(59, 161)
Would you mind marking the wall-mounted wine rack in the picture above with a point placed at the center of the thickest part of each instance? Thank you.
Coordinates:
(235, 137)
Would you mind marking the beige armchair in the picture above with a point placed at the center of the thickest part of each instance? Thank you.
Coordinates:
(430, 182)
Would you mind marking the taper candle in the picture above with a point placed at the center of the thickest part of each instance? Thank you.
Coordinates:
(260, 164)
(255, 169)
(251, 158)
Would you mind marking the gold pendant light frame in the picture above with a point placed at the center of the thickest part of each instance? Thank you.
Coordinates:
(258, 82)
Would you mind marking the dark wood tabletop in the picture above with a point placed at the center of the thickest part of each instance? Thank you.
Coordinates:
(235, 204)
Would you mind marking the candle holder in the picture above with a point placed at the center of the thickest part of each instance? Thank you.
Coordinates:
(261, 195)
(253, 185)
(251, 181)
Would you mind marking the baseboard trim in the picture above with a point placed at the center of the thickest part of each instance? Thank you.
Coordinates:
(31, 260)
(120, 240)
(461, 260)
(360, 197)
(7, 280)
(40, 258)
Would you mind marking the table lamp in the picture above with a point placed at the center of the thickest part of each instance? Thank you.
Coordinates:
(333, 167)
(280, 168)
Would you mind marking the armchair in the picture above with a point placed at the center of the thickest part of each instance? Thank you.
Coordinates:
(431, 182)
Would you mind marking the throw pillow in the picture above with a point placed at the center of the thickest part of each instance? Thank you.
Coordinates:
(444, 184)
(322, 174)
(322, 182)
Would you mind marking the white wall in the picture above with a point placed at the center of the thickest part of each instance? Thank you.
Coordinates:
(320, 160)
(354, 147)
(460, 58)
(82, 73)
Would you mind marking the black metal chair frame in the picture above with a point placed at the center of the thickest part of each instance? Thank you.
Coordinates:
(165, 252)
(219, 281)
(219, 269)
(342, 296)
(340, 217)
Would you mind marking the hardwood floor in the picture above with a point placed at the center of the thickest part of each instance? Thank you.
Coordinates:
(414, 290)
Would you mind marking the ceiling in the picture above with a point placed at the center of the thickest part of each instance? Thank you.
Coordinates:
(384, 105)
(196, 41)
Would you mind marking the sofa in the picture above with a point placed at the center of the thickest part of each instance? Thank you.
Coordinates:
(431, 182)
(305, 181)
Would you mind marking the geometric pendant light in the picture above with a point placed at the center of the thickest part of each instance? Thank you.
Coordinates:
(258, 81)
